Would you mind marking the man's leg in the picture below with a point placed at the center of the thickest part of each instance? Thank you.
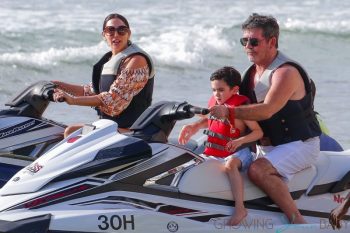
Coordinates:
(265, 176)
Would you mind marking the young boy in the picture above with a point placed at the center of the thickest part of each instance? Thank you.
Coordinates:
(225, 136)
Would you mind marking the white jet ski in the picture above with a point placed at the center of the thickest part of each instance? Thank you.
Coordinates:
(24, 133)
(97, 180)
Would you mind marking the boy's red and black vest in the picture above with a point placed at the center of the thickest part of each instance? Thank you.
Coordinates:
(220, 131)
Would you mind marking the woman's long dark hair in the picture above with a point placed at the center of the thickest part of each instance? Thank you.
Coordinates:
(115, 16)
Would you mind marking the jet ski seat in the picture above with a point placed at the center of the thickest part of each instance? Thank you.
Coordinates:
(209, 179)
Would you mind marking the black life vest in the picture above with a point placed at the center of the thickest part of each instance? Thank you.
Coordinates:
(297, 119)
(103, 75)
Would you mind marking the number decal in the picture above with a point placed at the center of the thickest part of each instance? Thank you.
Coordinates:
(104, 220)
(116, 222)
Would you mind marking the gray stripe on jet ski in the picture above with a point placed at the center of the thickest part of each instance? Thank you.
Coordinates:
(34, 224)
(114, 186)
(333, 187)
(171, 209)
(251, 204)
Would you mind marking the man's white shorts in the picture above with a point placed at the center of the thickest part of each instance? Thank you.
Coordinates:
(292, 157)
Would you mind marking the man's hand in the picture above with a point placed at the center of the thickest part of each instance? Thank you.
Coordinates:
(219, 111)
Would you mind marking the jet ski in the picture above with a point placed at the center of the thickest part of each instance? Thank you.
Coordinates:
(24, 133)
(98, 180)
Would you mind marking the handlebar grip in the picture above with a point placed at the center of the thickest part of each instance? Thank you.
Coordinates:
(198, 110)
(49, 91)
(49, 96)
(61, 100)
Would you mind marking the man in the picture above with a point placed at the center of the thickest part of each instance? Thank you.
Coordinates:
(282, 104)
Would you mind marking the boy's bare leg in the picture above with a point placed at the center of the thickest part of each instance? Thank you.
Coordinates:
(236, 182)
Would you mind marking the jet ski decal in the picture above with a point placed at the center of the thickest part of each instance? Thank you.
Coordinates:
(22, 128)
(34, 168)
(193, 214)
(58, 195)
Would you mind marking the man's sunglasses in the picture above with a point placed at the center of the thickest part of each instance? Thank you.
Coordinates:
(121, 30)
(252, 41)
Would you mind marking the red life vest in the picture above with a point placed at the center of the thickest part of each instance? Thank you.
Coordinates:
(221, 131)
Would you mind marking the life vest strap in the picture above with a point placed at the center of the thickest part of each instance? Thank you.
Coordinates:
(214, 145)
(216, 135)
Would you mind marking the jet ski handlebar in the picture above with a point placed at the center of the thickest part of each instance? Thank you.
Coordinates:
(157, 122)
(184, 110)
(198, 110)
(33, 100)
(48, 92)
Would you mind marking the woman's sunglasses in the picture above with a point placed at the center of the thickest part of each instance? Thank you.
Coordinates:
(252, 41)
(121, 30)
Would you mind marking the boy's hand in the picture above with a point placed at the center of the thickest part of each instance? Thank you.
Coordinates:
(232, 145)
(186, 133)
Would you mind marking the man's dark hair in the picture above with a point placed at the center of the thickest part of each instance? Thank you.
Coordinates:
(268, 24)
(229, 74)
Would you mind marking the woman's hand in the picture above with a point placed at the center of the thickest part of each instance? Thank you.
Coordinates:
(60, 96)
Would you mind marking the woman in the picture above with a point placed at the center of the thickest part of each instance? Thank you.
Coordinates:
(122, 81)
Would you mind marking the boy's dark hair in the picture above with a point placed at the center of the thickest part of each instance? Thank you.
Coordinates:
(229, 74)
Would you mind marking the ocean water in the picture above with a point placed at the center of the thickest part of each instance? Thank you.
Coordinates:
(188, 39)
